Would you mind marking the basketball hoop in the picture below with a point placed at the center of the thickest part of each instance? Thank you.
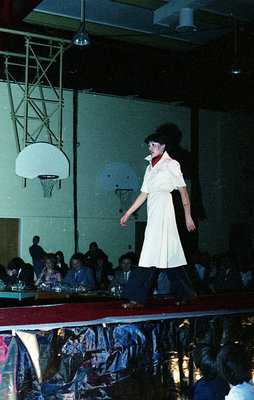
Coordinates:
(125, 198)
(47, 183)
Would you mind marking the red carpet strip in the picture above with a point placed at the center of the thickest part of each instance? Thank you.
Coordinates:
(62, 314)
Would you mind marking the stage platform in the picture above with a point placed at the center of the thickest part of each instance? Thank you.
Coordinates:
(89, 312)
(93, 349)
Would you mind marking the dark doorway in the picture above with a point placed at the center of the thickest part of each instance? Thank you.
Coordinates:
(9, 244)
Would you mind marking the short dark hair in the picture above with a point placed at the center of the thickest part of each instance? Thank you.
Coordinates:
(93, 244)
(77, 256)
(16, 263)
(234, 364)
(130, 256)
(157, 138)
(204, 357)
(60, 254)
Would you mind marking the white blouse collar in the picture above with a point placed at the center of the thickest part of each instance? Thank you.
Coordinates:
(165, 155)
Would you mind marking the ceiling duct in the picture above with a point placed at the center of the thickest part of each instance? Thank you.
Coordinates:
(186, 21)
(169, 13)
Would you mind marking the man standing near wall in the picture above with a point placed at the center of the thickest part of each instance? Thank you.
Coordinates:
(37, 254)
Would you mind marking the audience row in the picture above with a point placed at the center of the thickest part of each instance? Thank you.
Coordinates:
(92, 270)
(79, 276)
(220, 273)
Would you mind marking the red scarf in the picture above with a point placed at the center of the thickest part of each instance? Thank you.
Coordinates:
(156, 159)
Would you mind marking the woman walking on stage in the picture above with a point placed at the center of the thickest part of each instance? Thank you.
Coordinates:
(162, 247)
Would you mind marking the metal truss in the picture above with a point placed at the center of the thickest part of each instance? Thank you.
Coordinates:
(38, 105)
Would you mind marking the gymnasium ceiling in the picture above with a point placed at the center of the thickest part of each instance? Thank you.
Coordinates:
(135, 48)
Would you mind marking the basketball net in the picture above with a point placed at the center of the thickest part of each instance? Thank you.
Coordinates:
(47, 183)
(125, 198)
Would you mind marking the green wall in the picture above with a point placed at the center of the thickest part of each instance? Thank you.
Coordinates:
(112, 129)
(226, 176)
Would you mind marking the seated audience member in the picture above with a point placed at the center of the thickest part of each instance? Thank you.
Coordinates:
(228, 278)
(212, 275)
(18, 270)
(79, 276)
(122, 273)
(247, 278)
(103, 273)
(198, 272)
(162, 283)
(2, 273)
(234, 363)
(92, 256)
(61, 264)
(201, 266)
(210, 386)
(245, 263)
(50, 274)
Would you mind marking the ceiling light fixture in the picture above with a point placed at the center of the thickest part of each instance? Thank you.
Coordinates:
(186, 21)
(235, 67)
(81, 38)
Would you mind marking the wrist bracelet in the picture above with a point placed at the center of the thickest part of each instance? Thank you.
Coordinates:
(186, 204)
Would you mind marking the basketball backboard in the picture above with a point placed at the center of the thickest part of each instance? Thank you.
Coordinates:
(42, 159)
(117, 175)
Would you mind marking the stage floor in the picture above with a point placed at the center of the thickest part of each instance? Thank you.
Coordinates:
(92, 312)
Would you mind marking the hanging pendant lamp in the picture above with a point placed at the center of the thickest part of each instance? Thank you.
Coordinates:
(81, 38)
(235, 68)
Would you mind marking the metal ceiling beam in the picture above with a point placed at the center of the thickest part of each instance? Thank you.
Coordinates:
(110, 32)
(34, 35)
(149, 4)
(31, 110)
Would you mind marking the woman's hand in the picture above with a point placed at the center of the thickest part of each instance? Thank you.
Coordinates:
(137, 203)
(40, 276)
(43, 273)
(190, 224)
(124, 219)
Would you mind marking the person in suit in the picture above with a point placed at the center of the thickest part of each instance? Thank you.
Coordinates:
(18, 270)
(2, 273)
(94, 254)
(122, 273)
(103, 273)
(79, 275)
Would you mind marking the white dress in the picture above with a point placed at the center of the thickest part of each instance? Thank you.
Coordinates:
(162, 247)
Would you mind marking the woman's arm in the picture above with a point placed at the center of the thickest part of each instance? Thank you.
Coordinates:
(38, 281)
(59, 277)
(187, 211)
(137, 203)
